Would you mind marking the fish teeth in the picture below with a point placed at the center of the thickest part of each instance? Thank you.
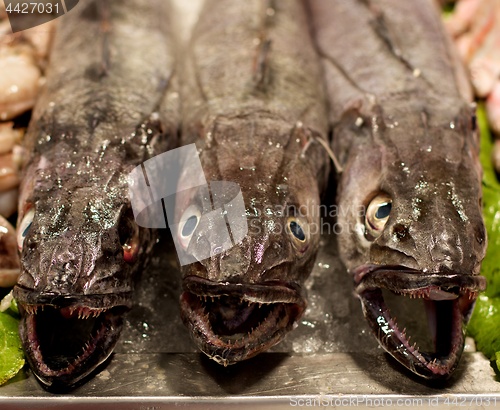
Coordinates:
(31, 309)
(205, 298)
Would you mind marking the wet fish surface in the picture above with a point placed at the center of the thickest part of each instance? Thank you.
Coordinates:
(254, 105)
(409, 194)
(108, 105)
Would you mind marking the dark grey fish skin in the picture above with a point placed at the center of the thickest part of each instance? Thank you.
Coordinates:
(253, 103)
(108, 105)
(409, 194)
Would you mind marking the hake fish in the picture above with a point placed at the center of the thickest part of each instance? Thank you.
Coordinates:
(254, 106)
(108, 105)
(409, 193)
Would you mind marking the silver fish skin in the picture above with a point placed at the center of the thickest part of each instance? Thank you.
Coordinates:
(108, 105)
(409, 194)
(253, 103)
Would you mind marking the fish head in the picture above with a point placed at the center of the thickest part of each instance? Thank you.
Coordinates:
(80, 249)
(411, 225)
(242, 292)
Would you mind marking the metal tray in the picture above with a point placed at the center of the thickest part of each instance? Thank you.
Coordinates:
(330, 359)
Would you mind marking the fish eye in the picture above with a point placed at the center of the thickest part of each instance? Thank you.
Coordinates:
(298, 231)
(377, 214)
(189, 222)
(24, 227)
(129, 239)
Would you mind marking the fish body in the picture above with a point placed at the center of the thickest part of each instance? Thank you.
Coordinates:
(409, 194)
(254, 106)
(107, 106)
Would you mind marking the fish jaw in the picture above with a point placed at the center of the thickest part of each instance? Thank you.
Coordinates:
(231, 322)
(65, 339)
(449, 299)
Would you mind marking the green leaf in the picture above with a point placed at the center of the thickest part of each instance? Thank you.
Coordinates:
(13, 307)
(491, 208)
(489, 177)
(484, 325)
(11, 353)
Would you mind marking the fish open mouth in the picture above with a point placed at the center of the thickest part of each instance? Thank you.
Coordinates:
(447, 300)
(64, 344)
(231, 322)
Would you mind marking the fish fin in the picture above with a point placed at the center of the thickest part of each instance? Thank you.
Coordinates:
(261, 66)
(330, 153)
(381, 28)
(309, 138)
(261, 72)
(105, 30)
